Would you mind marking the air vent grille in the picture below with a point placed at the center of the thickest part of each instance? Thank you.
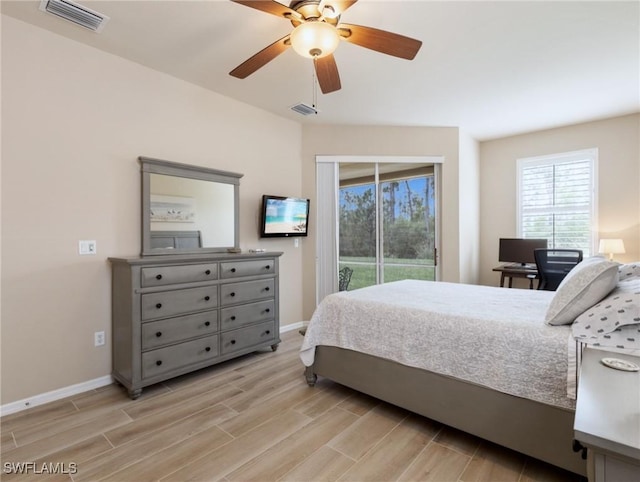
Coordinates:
(303, 109)
(75, 13)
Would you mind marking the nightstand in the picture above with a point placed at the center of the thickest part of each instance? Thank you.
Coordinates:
(607, 418)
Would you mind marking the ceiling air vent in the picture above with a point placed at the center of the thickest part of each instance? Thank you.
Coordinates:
(303, 109)
(75, 13)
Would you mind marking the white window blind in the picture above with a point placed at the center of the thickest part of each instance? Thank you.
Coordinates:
(557, 199)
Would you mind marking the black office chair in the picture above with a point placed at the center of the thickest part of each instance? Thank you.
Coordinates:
(554, 264)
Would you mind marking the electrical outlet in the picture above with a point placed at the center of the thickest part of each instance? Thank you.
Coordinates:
(98, 338)
(87, 247)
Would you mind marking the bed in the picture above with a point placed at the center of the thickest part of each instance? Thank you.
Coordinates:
(410, 343)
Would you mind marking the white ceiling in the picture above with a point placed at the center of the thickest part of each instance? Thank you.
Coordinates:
(491, 68)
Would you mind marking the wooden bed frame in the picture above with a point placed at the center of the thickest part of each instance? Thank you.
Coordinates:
(536, 429)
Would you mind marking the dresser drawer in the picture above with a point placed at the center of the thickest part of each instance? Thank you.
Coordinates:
(248, 336)
(170, 303)
(234, 293)
(162, 360)
(237, 269)
(164, 332)
(237, 316)
(168, 275)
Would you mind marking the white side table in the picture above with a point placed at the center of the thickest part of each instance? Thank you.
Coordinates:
(608, 418)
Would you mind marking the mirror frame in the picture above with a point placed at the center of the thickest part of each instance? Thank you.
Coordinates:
(150, 166)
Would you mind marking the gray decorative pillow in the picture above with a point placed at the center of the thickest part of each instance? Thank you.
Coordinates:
(585, 285)
(615, 321)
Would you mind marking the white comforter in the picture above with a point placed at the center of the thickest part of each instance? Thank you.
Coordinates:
(494, 337)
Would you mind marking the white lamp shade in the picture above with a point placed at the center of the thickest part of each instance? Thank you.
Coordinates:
(315, 39)
(611, 247)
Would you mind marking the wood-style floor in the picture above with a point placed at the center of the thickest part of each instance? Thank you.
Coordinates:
(253, 418)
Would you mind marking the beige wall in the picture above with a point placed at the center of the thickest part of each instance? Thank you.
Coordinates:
(618, 143)
(74, 121)
(384, 141)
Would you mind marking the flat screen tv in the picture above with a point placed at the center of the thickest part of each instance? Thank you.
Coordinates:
(284, 216)
(518, 250)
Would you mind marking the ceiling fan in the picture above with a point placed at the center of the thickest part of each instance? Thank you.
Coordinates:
(316, 35)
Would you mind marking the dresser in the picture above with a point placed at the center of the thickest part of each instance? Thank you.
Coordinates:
(607, 418)
(175, 314)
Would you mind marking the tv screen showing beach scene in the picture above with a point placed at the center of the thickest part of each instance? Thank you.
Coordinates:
(284, 216)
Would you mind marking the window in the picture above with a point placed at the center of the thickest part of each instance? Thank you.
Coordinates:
(556, 199)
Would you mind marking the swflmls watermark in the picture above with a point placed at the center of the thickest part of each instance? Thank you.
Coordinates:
(40, 468)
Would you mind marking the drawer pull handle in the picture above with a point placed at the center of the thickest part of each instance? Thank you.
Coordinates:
(233, 318)
(158, 334)
(233, 342)
(208, 272)
(267, 310)
(158, 305)
(207, 348)
(207, 298)
(233, 270)
(268, 266)
(232, 294)
(268, 331)
(159, 362)
(159, 277)
(267, 288)
(207, 323)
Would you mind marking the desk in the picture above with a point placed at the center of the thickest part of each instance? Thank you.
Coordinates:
(508, 271)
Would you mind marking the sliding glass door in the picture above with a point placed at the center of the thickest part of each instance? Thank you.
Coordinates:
(386, 223)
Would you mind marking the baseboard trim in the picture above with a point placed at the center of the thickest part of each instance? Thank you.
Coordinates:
(61, 393)
(54, 395)
(291, 326)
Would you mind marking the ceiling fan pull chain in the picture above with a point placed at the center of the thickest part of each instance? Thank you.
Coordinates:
(314, 80)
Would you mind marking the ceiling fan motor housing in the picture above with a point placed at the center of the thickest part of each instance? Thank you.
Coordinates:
(309, 10)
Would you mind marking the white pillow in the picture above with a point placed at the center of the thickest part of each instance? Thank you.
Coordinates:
(585, 285)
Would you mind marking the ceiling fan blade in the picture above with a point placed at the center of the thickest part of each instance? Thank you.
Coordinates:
(269, 6)
(380, 40)
(327, 73)
(262, 58)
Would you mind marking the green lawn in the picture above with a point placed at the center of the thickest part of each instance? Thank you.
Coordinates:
(365, 275)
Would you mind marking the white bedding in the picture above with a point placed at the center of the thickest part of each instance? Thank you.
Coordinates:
(494, 337)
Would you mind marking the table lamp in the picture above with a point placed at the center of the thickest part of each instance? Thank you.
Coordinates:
(611, 246)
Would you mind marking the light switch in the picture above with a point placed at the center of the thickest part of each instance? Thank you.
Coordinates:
(87, 247)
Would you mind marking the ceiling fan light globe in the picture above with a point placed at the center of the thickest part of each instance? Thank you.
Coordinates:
(315, 39)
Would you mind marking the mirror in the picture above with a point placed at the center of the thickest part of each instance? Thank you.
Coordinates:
(188, 209)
